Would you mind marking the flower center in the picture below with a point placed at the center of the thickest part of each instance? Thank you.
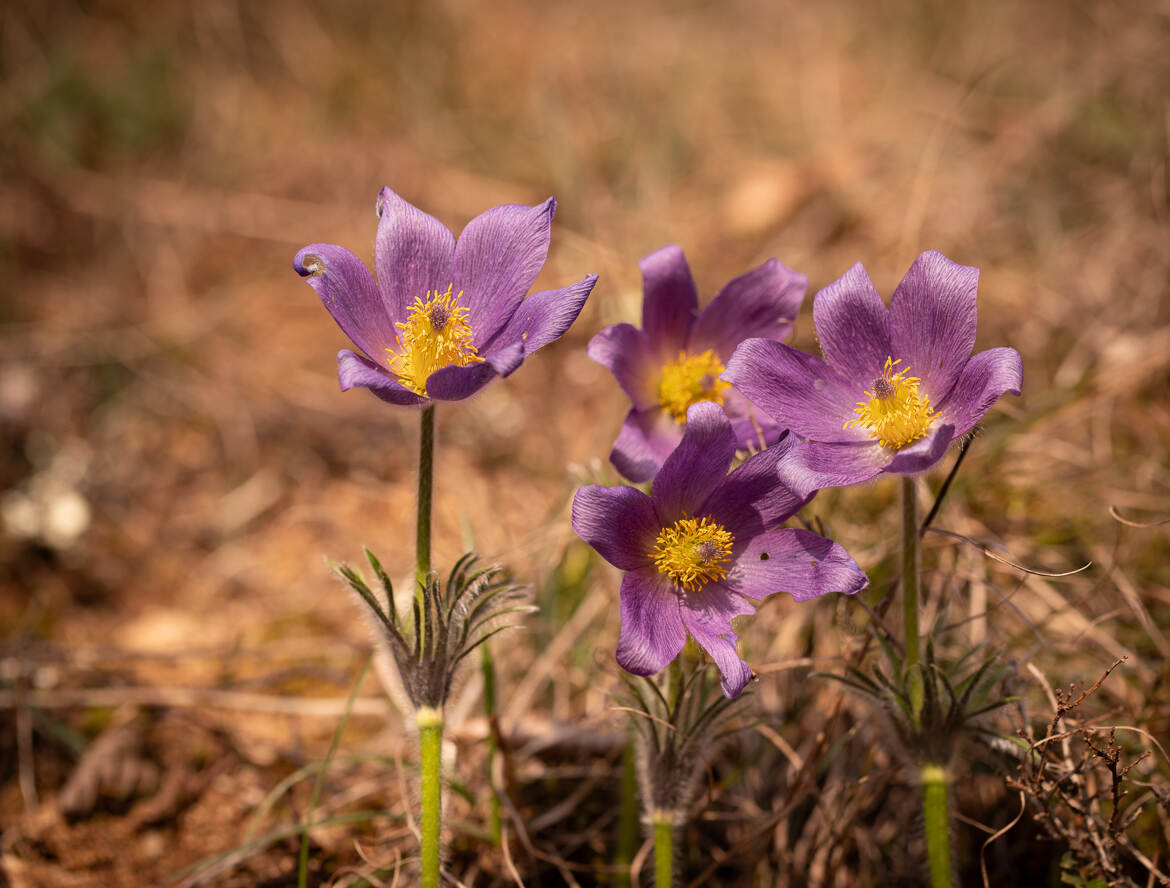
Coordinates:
(896, 412)
(693, 552)
(690, 379)
(436, 334)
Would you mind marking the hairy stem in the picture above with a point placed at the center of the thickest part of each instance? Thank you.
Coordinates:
(663, 850)
(627, 842)
(426, 463)
(910, 590)
(489, 707)
(936, 815)
(430, 746)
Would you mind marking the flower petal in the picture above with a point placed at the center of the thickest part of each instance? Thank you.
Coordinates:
(813, 465)
(349, 293)
(540, 319)
(853, 326)
(763, 302)
(986, 376)
(798, 562)
(652, 628)
(697, 466)
(669, 301)
(933, 319)
(646, 439)
(454, 383)
(498, 256)
(707, 616)
(356, 371)
(755, 497)
(624, 350)
(618, 522)
(921, 455)
(412, 254)
(797, 390)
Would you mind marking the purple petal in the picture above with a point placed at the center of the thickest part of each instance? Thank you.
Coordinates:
(454, 383)
(505, 358)
(812, 465)
(797, 390)
(669, 301)
(921, 455)
(755, 497)
(697, 466)
(625, 351)
(645, 441)
(652, 628)
(540, 319)
(853, 326)
(932, 321)
(764, 302)
(355, 371)
(618, 522)
(498, 256)
(987, 375)
(707, 616)
(349, 293)
(794, 561)
(412, 254)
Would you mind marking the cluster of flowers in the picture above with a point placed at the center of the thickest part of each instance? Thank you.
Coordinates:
(895, 387)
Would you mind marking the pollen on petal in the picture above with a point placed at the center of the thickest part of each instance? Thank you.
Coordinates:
(693, 552)
(690, 379)
(896, 413)
(435, 334)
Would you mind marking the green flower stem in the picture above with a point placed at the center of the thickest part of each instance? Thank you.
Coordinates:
(430, 747)
(663, 824)
(627, 841)
(489, 706)
(426, 464)
(910, 591)
(936, 812)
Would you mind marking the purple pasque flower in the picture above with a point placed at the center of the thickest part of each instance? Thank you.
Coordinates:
(676, 359)
(896, 385)
(703, 543)
(444, 316)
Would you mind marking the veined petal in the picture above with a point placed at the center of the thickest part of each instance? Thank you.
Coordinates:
(669, 301)
(813, 465)
(625, 351)
(356, 371)
(764, 302)
(985, 377)
(349, 293)
(797, 390)
(697, 466)
(497, 258)
(798, 562)
(652, 627)
(755, 497)
(853, 326)
(933, 320)
(412, 254)
(921, 455)
(619, 522)
(541, 318)
(646, 439)
(707, 615)
(454, 383)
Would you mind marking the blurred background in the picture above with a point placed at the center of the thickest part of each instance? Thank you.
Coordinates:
(177, 463)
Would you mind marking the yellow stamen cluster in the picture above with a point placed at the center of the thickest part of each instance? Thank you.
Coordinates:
(436, 334)
(690, 379)
(896, 413)
(693, 552)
